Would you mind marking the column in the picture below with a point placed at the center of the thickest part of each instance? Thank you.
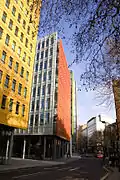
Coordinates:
(44, 147)
(54, 148)
(10, 146)
(7, 150)
(24, 147)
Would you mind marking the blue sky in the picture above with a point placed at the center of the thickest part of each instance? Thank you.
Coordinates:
(87, 104)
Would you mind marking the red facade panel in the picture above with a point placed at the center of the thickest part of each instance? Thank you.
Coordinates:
(63, 124)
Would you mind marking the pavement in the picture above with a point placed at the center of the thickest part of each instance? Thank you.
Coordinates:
(74, 169)
(114, 174)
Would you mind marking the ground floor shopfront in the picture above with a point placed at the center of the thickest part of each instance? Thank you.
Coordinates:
(40, 147)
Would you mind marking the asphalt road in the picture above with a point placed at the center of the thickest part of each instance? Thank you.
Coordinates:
(82, 169)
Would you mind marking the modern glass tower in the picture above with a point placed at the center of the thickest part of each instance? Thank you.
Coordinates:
(50, 107)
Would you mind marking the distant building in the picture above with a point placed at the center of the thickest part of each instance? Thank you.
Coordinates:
(49, 126)
(73, 112)
(84, 130)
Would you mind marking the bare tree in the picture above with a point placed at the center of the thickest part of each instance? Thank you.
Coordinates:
(95, 30)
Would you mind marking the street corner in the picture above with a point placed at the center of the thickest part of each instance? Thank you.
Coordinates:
(106, 171)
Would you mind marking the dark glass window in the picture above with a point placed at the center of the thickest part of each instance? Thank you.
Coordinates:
(44, 76)
(13, 84)
(47, 117)
(19, 89)
(48, 103)
(22, 71)
(13, 10)
(32, 105)
(36, 119)
(45, 65)
(46, 53)
(10, 62)
(52, 40)
(3, 56)
(34, 92)
(4, 16)
(41, 118)
(7, 39)
(41, 65)
(49, 89)
(10, 24)
(37, 105)
(43, 90)
(35, 79)
(47, 42)
(43, 43)
(1, 32)
(4, 98)
(36, 67)
(49, 75)
(7, 3)
(10, 104)
(42, 104)
(25, 92)
(38, 93)
(1, 73)
(51, 51)
(31, 120)
(17, 107)
(23, 110)
(37, 56)
(42, 54)
(40, 76)
(7, 81)
(16, 67)
(50, 63)
(39, 46)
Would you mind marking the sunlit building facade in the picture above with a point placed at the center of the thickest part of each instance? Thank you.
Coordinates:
(18, 33)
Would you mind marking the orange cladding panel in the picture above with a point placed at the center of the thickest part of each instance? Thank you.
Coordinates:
(63, 124)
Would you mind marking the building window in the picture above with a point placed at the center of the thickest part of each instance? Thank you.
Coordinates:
(36, 67)
(47, 42)
(47, 117)
(34, 92)
(24, 24)
(39, 46)
(7, 81)
(19, 51)
(51, 51)
(43, 90)
(38, 92)
(19, 17)
(49, 75)
(17, 107)
(13, 10)
(13, 84)
(43, 43)
(37, 56)
(4, 98)
(52, 40)
(19, 89)
(3, 56)
(42, 54)
(7, 3)
(1, 73)
(16, 67)
(41, 65)
(40, 76)
(50, 63)
(45, 65)
(10, 104)
(44, 76)
(42, 104)
(37, 105)
(22, 71)
(32, 106)
(16, 31)
(26, 42)
(1, 32)
(27, 76)
(31, 47)
(28, 30)
(48, 103)
(23, 110)
(29, 61)
(25, 92)
(46, 53)
(36, 119)
(10, 24)
(49, 89)
(7, 39)
(35, 79)
(24, 56)
(41, 118)
(31, 120)
(21, 37)
(28, 2)
(10, 62)
(13, 45)
(4, 16)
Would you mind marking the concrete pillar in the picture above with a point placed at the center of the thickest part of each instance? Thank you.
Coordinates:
(54, 148)
(7, 150)
(24, 147)
(10, 146)
(44, 147)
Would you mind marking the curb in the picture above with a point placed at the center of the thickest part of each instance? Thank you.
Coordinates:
(106, 175)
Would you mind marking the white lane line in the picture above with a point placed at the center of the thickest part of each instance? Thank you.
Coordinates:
(74, 169)
(50, 168)
(62, 169)
(25, 175)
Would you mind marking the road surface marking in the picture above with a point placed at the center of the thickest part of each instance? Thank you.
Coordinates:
(25, 175)
(64, 169)
(74, 169)
(50, 168)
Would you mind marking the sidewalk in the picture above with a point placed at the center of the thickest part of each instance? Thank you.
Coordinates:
(115, 175)
(18, 163)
